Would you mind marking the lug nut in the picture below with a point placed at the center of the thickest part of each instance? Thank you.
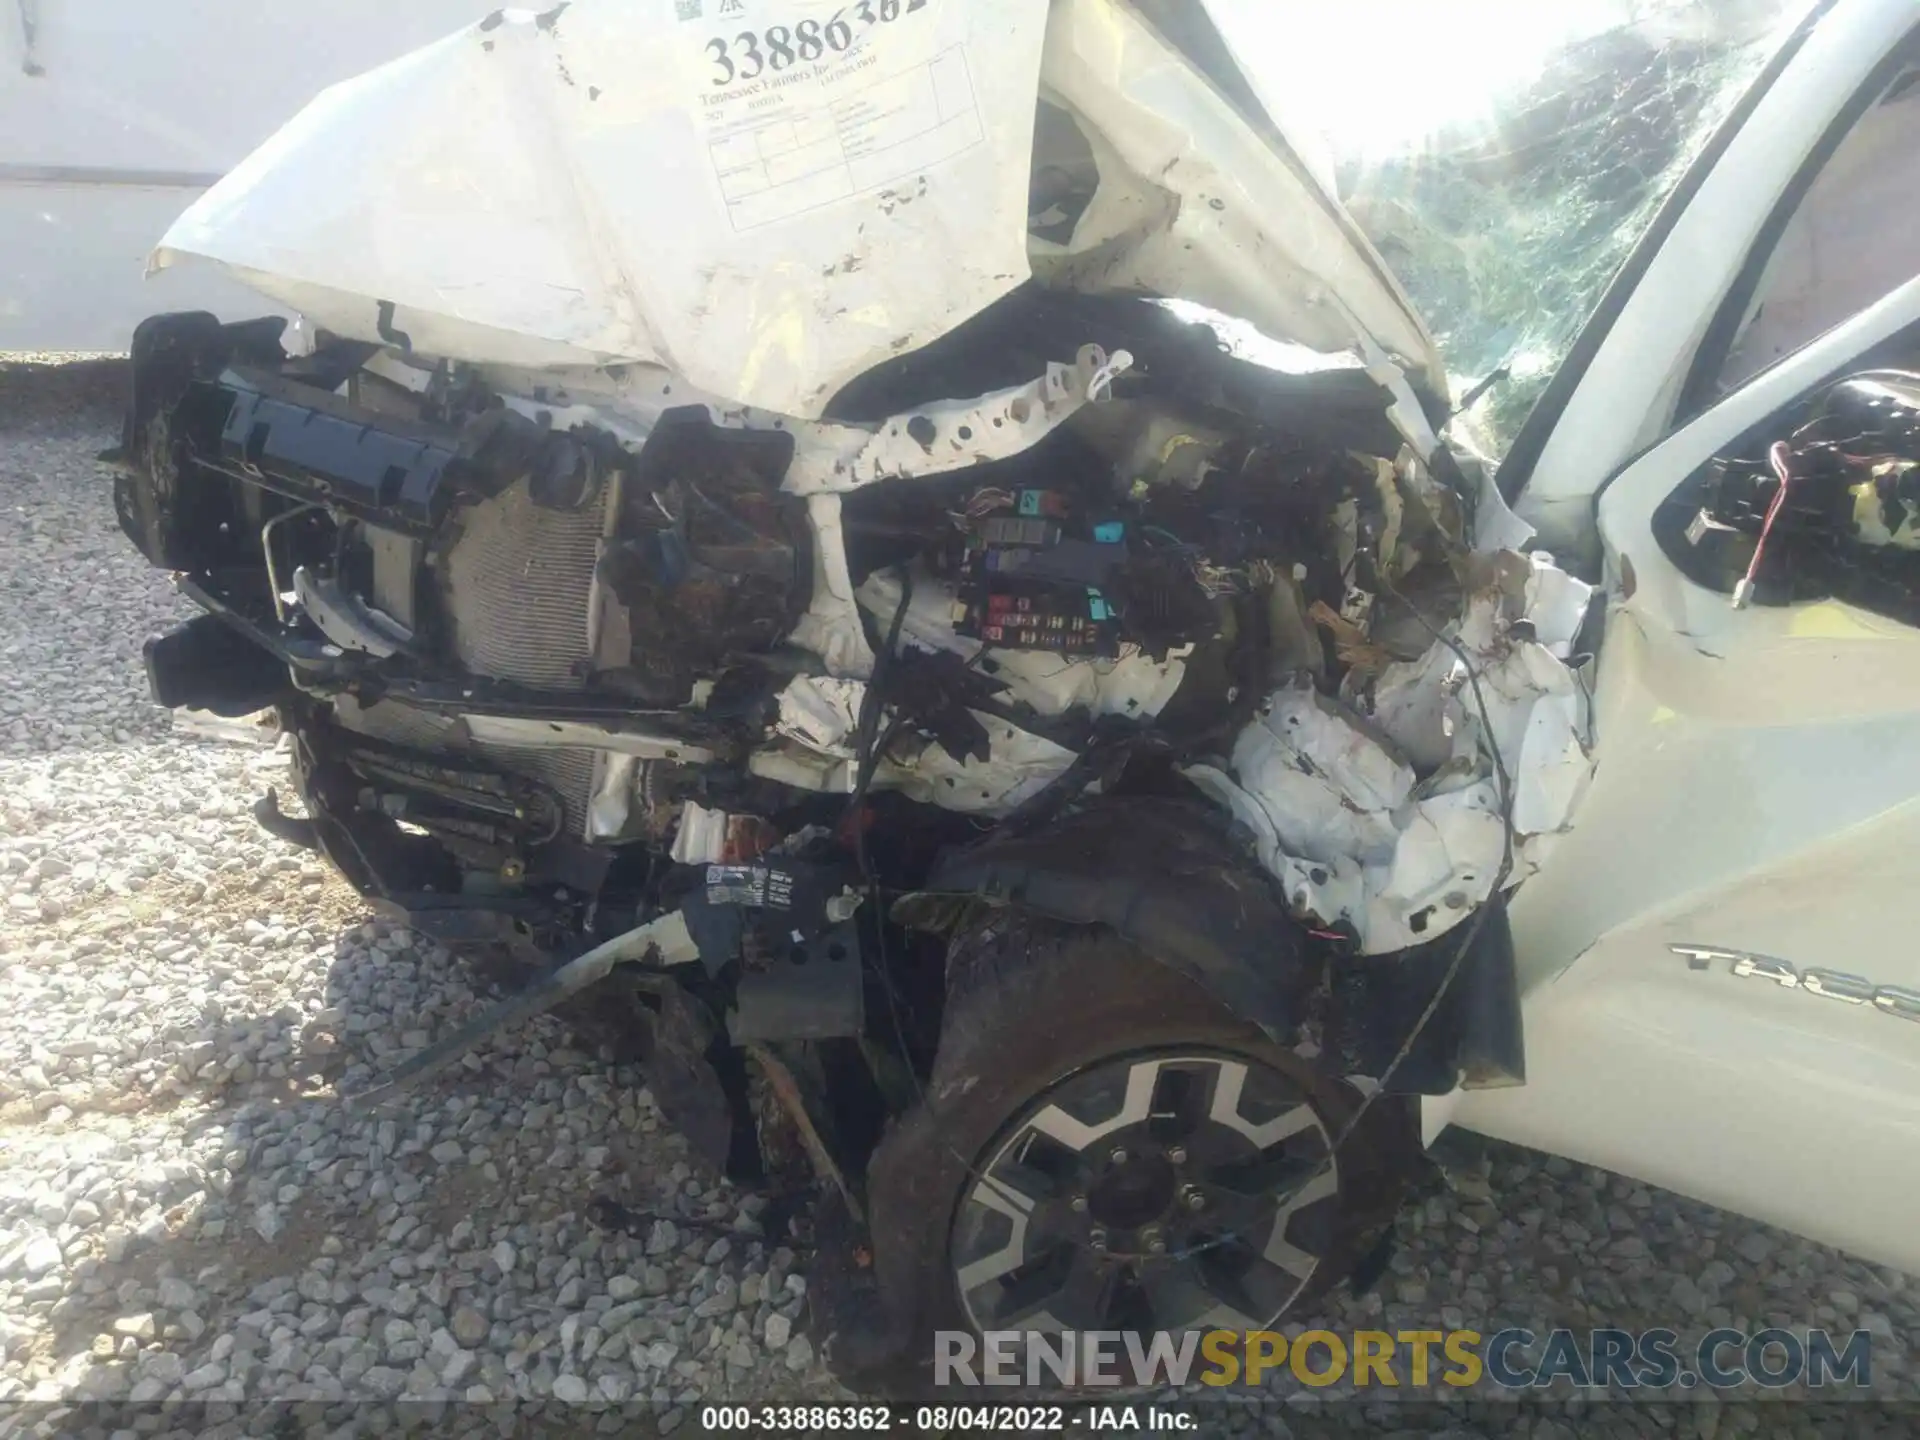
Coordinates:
(1118, 1156)
(1079, 1202)
(1156, 1242)
(1195, 1200)
(1177, 1155)
(1097, 1242)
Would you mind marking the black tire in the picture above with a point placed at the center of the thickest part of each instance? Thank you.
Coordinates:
(1032, 1004)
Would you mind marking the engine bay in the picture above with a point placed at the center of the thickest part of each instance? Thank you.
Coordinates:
(575, 656)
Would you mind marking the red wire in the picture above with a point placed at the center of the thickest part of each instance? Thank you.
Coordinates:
(1778, 457)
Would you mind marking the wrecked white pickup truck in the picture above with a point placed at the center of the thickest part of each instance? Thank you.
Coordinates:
(952, 617)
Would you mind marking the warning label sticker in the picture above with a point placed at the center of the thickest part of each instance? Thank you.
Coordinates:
(830, 101)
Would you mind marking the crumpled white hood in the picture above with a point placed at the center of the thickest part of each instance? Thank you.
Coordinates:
(579, 187)
(770, 198)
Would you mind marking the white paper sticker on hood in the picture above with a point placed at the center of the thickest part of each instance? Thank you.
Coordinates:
(724, 187)
(798, 113)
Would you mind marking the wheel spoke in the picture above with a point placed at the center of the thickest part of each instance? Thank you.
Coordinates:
(1087, 1297)
(1078, 1135)
(1269, 1173)
(1046, 1156)
(1026, 1186)
(1320, 1183)
(1016, 1208)
(1036, 1284)
(1181, 1300)
(1226, 1282)
(1179, 1104)
(1198, 1169)
(1284, 1253)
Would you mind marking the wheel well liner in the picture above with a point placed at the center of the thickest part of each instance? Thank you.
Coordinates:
(1165, 876)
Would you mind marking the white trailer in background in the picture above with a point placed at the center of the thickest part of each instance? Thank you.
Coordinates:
(115, 115)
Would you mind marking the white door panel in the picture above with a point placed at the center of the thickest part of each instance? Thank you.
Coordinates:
(1758, 792)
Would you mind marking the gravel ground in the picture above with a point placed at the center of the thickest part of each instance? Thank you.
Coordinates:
(185, 1212)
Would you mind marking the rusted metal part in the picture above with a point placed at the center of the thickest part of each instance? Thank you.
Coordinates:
(787, 1090)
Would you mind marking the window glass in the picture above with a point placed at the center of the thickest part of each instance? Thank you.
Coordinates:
(1854, 236)
(1504, 155)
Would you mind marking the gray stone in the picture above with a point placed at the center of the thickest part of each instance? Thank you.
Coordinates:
(469, 1326)
(141, 1327)
(205, 1378)
(457, 1366)
(41, 1257)
(176, 1294)
(164, 1366)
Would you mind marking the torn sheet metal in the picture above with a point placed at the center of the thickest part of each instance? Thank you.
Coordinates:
(1442, 870)
(1195, 202)
(821, 714)
(1557, 605)
(503, 190)
(616, 779)
(831, 626)
(1331, 788)
(1391, 825)
(714, 837)
(828, 458)
(1536, 705)
(818, 718)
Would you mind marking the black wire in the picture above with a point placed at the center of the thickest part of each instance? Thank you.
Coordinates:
(1474, 395)
(1499, 880)
(1467, 945)
(868, 751)
(1506, 818)
(867, 754)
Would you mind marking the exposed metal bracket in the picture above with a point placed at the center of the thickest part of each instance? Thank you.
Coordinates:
(661, 942)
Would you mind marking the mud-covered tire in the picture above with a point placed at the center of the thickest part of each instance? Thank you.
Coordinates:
(1032, 1004)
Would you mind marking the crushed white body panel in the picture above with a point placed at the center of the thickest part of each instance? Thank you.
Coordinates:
(590, 186)
(1195, 202)
(1336, 806)
(1331, 789)
(614, 213)
(818, 718)
(605, 182)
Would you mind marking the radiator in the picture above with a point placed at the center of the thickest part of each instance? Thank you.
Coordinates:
(518, 584)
